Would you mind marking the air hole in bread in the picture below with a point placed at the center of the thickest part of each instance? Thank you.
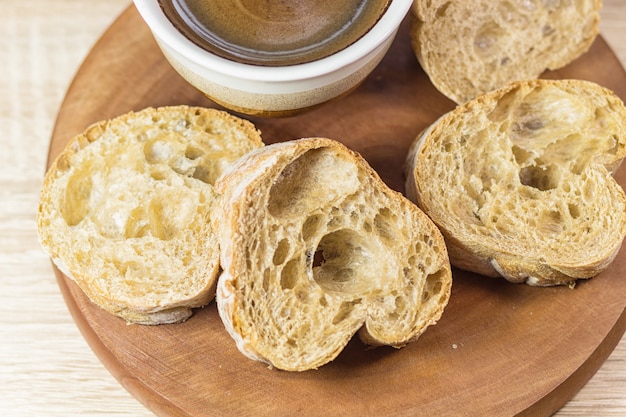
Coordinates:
(344, 311)
(289, 274)
(347, 264)
(302, 295)
(170, 214)
(547, 30)
(550, 222)
(551, 130)
(311, 226)
(193, 152)
(267, 274)
(316, 179)
(384, 224)
(426, 238)
(521, 155)
(441, 10)
(182, 159)
(401, 305)
(281, 252)
(318, 259)
(137, 225)
(433, 285)
(323, 301)
(158, 151)
(532, 125)
(184, 167)
(203, 174)
(574, 211)
(130, 270)
(158, 174)
(76, 204)
(487, 38)
(543, 178)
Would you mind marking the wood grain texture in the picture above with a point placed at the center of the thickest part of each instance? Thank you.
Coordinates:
(500, 349)
(46, 367)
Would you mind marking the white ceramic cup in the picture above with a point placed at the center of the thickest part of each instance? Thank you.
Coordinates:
(274, 90)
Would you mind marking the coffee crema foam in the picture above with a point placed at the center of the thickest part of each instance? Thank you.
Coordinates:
(274, 32)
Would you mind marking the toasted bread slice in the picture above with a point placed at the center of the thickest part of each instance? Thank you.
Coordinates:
(519, 181)
(125, 209)
(468, 48)
(315, 248)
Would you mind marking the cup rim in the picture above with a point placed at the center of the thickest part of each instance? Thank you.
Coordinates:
(166, 33)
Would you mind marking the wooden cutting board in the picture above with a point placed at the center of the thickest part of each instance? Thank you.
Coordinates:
(500, 349)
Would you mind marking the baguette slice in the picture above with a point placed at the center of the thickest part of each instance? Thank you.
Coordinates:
(125, 209)
(519, 181)
(472, 47)
(315, 248)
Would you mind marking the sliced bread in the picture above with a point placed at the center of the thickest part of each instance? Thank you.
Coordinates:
(315, 248)
(472, 47)
(125, 209)
(519, 181)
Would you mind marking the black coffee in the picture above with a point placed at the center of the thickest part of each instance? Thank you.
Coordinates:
(274, 32)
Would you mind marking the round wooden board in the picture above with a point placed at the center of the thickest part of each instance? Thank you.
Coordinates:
(500, 348)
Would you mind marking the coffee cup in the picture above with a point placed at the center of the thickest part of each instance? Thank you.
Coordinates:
(273, 58)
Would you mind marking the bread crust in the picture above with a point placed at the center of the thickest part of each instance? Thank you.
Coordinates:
(125, 209)
(384, 274)
(470, 48)
(519, 181)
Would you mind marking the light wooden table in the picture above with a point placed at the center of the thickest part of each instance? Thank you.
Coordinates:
(46, 368)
